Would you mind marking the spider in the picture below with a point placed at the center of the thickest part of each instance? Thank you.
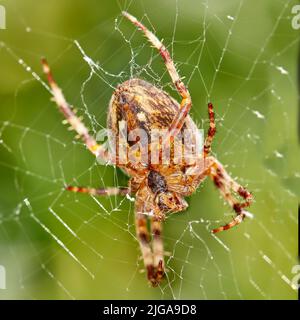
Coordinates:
(159, 189)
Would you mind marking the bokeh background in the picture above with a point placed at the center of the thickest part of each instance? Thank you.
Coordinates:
(240, 54)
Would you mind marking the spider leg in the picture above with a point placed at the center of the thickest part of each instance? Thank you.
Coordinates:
(75, 122)
(158, 249)
(99, 192)
(144, 240)
(211, 131)
(186, 102)
(151, 248)
(227, 186)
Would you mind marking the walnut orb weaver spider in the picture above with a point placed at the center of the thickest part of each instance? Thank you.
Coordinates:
(158, 189)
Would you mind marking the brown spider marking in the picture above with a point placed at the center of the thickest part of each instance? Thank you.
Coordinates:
(159, 188)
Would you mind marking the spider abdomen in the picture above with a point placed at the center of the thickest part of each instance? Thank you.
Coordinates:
(141, 106)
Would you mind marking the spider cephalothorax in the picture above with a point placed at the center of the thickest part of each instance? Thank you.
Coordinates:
(166, 201)
(159, 186)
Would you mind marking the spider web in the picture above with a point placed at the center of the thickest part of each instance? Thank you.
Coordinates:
(242, 56)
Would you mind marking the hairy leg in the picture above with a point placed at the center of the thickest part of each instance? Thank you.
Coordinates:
(211, 131)
(150, 242)
(228, 187)
(144, 240)
(158, 249)
(75, 122)
(99, 192)
(186, 102)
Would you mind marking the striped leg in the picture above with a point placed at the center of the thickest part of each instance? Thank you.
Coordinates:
(100, 192)
(227, 186)
(151, 247)
(186, 102)
(211, 131)
(72, 119)
(158, 249)
(144, 240)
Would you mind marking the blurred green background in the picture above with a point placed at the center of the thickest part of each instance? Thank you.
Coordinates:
(241, 55)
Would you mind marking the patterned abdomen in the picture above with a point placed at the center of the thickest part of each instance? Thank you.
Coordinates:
(140, 105)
